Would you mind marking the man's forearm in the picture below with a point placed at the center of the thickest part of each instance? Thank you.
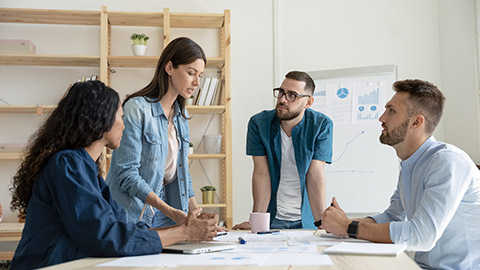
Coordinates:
(316, 189)
(261, 194)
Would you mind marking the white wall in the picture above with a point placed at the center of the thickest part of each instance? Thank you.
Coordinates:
(251, 58)
(459, 71)
(313, 35)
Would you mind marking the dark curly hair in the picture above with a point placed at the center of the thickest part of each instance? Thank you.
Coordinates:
(81, 118)
(180, 51)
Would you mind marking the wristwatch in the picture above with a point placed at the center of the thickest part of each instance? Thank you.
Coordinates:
(318, 223)
(353, 229)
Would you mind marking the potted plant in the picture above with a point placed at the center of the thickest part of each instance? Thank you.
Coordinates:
(208, 194)
(139, 45)
(190, 148)
(189, 101)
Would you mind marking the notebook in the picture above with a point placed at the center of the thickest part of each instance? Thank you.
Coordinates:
(366, 249)
(197, 248)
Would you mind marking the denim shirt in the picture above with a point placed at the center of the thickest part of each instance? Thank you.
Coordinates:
(312, 139)
(436, 207)
(71, 215)
(138, 165)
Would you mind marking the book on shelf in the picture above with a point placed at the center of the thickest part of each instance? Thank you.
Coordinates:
(211, 91)
(202, 95)
(218, 94)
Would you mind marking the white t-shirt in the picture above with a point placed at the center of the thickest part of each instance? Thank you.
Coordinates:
(172, 155)
(289, 197)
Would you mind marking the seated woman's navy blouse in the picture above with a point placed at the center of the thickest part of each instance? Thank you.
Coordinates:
(71, 215)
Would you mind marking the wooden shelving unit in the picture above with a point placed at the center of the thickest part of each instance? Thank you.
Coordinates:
(105, 20)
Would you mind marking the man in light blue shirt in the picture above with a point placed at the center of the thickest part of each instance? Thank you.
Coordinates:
(435, 209)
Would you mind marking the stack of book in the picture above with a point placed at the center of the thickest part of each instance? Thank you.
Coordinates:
(208, 92)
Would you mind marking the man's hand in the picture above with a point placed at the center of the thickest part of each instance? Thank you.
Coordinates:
(242, 226)
(334, 219)
(199, 229)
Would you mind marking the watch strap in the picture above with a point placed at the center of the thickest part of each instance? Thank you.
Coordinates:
(353, 229)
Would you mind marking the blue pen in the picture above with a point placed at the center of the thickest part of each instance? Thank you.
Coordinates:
(269, 232)
(241, 240)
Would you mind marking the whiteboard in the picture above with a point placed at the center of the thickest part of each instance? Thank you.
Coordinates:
(364, 172)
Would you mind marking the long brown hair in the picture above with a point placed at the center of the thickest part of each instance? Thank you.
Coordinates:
(81, 118)
(180, 51)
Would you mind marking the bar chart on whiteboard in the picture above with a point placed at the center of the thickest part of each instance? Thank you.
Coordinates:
(363, 172)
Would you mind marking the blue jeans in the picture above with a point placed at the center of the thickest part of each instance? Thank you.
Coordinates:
(286, 224)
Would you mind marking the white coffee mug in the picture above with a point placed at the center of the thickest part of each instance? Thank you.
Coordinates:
(260, 222)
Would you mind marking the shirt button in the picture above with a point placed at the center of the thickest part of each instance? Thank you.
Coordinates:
(183, 194)
(181, 179)
(180, 165)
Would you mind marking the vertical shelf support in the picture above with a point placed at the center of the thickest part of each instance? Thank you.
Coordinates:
(228, 119)
(166, 27)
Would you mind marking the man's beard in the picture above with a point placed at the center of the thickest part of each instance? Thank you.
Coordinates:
(396, 136)
(287, 115)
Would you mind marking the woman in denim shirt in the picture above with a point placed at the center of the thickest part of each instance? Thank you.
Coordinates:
(150, 168)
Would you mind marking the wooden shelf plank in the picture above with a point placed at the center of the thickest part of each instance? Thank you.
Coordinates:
(206, 156)
(212, 205)
(27, 108)
(49, 60)
(136, 18)
(193, 109)
(197, 20)
(151, 61)
(218, 109)
(49, 16)
(10, 156)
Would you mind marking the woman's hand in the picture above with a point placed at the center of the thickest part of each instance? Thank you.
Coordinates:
(177, 215)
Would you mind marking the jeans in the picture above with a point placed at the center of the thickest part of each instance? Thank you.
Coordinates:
(286, 224)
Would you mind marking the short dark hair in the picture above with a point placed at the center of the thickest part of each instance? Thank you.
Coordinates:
(425, 99)
(303, 77)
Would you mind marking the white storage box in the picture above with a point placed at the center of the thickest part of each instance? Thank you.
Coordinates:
(15, 46)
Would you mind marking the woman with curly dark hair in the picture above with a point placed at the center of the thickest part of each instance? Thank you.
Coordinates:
(70, 213)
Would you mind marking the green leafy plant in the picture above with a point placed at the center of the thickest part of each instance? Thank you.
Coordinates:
(190, 144)
(207, 188)
(139, 39)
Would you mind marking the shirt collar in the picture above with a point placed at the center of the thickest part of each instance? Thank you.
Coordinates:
(414, 158)
(158, 110)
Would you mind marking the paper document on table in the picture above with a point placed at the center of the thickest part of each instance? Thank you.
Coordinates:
(366, 249)
(223, 258)
(273, 247)
(298, 259)
(158, 260)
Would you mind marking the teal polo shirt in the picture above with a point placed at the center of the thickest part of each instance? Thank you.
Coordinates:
(312, 139)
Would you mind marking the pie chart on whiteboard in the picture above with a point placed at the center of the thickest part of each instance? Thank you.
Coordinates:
(342, 93)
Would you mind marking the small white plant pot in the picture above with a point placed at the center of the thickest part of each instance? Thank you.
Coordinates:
(189, 101)
(139, 50)
(191, 151)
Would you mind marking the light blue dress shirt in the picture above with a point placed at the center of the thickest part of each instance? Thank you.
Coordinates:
(312, 139)
(138, 165)
(435, 209)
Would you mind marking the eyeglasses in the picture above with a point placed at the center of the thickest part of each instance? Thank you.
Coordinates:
(289, 96)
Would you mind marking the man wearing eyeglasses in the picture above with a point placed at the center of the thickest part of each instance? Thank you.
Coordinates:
(290, 146)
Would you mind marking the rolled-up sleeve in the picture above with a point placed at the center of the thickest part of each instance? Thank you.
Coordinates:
(128, 155)
(445, 183)
(255, 146)
(324, 142)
